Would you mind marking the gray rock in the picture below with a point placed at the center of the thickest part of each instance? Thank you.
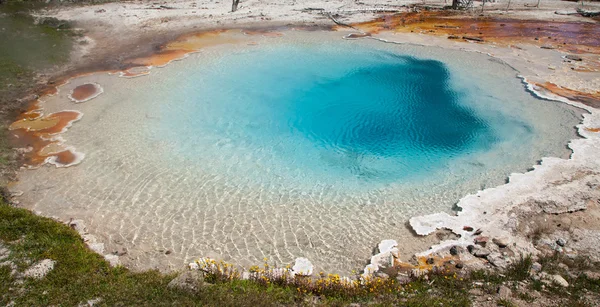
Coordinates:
(481, 252)
(504, 292)
(471, 248)
(188, 281)
(40, 269)
(559, 280)
(403, 279)
(536, 267)
(561, 242)
(501, 242)
(382, 275)
(497, 260)
(573, 57)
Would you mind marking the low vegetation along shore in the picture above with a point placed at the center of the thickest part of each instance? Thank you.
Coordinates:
(45, 262)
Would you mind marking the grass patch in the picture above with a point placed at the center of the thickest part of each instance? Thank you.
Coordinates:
(520, 270)
(80, 275)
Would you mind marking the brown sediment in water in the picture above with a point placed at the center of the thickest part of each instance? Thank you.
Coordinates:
(85, 92)
(183, 46)
(47, 125)
(574, 37)
(263, 32)
(38, 136)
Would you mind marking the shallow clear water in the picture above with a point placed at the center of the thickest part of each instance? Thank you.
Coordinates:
(329, 115)
(301, 146)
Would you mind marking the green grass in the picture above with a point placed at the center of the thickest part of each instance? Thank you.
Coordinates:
(27, 47)
(80, 275)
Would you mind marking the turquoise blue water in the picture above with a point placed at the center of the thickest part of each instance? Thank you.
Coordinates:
(306, 145)
(360, 115)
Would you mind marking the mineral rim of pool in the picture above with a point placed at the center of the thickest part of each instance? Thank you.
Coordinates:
(295, 145)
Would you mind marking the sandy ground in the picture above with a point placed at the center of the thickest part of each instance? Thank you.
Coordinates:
(118, 31)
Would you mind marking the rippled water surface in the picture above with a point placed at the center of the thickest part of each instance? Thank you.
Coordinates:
(304, 145)
(361, 116)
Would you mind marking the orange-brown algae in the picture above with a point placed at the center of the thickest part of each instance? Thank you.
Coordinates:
(38, 136)
(263, 32)
(589, 99)
(47, 125)
(183, 46)
(576, 37)
(85, 92)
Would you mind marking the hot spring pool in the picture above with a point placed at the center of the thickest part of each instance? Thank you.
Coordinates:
(305, 145)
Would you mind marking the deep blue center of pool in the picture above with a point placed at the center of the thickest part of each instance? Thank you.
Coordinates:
(403, 107)
(323, 114)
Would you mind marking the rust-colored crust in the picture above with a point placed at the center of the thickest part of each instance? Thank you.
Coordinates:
(574, 37)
